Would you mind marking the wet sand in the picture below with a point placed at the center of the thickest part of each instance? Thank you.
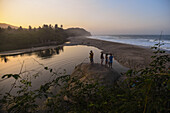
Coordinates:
(131, 56)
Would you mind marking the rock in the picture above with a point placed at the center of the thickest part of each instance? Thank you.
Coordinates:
(91, 73)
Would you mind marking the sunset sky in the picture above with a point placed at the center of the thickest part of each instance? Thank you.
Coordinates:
(96, 16)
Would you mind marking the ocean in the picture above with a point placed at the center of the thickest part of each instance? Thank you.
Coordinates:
(139, 40)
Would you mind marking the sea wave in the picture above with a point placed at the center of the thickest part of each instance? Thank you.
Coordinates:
(140, 40)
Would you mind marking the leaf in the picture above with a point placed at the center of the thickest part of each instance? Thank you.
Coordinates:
(46, 96)
(16, 76)
(90, 105)
(162, 51)
(154, 47)
(153, 56)
(4, 76)
(46, 68)
(7, 75)
(129, 71)
(29, 83)
(105, 103)
(51, 70)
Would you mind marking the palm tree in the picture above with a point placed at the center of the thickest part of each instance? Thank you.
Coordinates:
(56, 26)
(30, 28)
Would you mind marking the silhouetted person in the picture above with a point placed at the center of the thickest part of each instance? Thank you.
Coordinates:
(106, 59)
(110, 60)
(102, 58)
(91, 57)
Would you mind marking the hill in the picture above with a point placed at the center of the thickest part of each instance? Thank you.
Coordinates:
(77, 32)
(4, 25)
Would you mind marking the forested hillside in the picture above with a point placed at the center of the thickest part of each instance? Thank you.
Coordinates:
(20, 38)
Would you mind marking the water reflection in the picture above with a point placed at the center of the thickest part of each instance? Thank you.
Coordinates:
(44, 54)
(53, 58)
(48, 53)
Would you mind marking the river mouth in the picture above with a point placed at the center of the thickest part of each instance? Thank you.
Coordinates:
(62, 60)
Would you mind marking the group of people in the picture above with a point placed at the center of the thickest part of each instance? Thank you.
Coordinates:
(108, 59)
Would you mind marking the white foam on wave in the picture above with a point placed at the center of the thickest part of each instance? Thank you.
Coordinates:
(147, 41)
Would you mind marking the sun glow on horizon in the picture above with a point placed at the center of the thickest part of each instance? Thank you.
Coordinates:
(97, 16)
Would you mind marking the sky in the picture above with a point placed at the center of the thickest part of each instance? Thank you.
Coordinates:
(100, 17)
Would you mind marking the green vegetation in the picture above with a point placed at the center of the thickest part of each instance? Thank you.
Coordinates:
(144, 91)
(20, 38)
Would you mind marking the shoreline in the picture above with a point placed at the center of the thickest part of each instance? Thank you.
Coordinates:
(131, 56)
(33, 49)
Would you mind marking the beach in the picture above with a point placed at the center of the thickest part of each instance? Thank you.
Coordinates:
(131, 56)
(73, 59)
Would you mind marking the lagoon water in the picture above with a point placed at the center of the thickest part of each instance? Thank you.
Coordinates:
(62, 60)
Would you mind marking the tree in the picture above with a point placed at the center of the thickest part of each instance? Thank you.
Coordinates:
(30, 28)
(61, 26)
(56, 26)
(50, 26)
(1, 29)
(9, 28)
(39, 27)
(20, 28)
(34, 28)
(45, 26)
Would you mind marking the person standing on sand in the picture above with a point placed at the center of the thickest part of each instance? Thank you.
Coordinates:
(106, 59)
(102, 58)
(110, 60)
(91, 56)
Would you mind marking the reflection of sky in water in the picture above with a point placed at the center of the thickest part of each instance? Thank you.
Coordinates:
(58, 59)
(55, 58)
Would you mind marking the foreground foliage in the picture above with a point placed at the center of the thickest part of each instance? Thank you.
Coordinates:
(142, 91)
